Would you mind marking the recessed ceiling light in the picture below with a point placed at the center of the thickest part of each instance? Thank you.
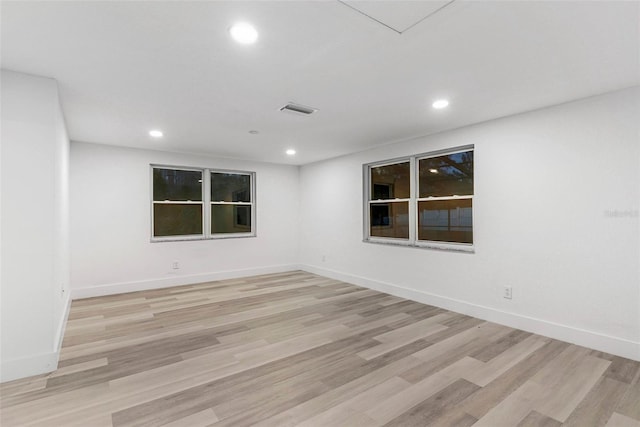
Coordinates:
(156, 133)
(440, 104)
(290, 152)
(243, 33)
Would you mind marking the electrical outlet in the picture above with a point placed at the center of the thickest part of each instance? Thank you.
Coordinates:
(175, 265)
(507, 292)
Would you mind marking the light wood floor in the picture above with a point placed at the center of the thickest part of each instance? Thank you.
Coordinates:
(299, 349)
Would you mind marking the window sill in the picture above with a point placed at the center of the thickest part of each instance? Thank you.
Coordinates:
(197, 238)
(448, 247)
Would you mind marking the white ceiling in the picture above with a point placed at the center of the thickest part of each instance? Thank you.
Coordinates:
(398, 15)
(127, 67)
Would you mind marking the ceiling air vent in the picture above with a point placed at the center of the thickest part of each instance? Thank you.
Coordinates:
(298, 109)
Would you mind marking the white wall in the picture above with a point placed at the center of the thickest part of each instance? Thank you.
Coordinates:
(35, 259)
(111, 250)
(556, 217)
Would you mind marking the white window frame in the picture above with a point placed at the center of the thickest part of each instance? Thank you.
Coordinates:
(413, 200)
(369, 201)
(206, 205)
(252, 204)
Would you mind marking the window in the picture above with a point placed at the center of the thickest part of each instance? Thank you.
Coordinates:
(201, 203)
(445, 193)
(177, 202)
(424, 200)
(389, 201)
(230, 203)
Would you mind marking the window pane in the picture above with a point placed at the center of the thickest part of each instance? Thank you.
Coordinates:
(445, 221)
(176, 220)
(230, 219)
(390, 220)
(177, 185)
(230, 187)
(449, 175)
(390, 181)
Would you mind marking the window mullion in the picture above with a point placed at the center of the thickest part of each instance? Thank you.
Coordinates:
(413, 206)
(436, 198)
(176, 202)
(253, 193)
(213, 202)
(206, 205)
(366, 176)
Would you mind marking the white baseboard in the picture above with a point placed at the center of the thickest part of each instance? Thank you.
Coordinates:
(143, 285)
(28, 366)
(618, 346)
(62, 325)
